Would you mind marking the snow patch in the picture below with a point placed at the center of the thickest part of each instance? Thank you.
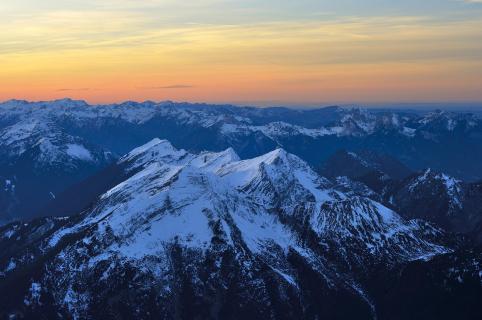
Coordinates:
(78, 151)
(33, 297)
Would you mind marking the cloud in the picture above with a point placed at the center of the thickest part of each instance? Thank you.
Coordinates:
(299, 42)
(73, 89)
(127, 51)
(175, 86)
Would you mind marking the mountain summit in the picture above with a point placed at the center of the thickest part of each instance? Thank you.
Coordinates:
(211, 235)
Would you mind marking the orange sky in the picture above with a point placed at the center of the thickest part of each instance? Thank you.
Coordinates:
(122, 51)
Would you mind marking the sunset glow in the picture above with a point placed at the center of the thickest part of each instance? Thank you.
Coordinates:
(259, 52)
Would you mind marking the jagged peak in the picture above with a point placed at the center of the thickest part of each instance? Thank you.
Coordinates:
(26, 129)
(449, 120)
(14, 101)
(195, 189)
(271, 157)
(71, 101)
(276, 158)
(231, 152)
(156, 149)
(64, 102)
(429, 176)
(215, 160)
(277, 166)
(430, 173)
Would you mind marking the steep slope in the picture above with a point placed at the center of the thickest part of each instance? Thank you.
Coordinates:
(365, 173)
(440, 198)
(445, 194)
(428, 195)
(37, 161)
(8, 199)
(377, 171)
(213, 236)
(442, 288)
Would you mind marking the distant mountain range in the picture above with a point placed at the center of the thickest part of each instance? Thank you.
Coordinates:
(179, 235)
(47, 147)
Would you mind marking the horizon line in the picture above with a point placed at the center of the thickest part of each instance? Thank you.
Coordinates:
(278, 104)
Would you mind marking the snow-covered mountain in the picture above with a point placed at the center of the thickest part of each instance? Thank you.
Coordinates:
(418, 140)
(48, 147)
(429, 195)
(212, 236)
(38, 160)
(439, 198)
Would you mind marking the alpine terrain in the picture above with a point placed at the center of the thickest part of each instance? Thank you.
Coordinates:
(172, 234)
(47, 148)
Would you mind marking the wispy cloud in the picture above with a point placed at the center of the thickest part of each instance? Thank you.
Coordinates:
(345, 40)
(73, 89)
(254, 50)
(175, 86)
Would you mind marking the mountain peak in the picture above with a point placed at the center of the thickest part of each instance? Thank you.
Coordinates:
(15, 102)
(431, 181)
(274, 155)
(68, 102)
(230, 153)
(154, 150)
(148, 145)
